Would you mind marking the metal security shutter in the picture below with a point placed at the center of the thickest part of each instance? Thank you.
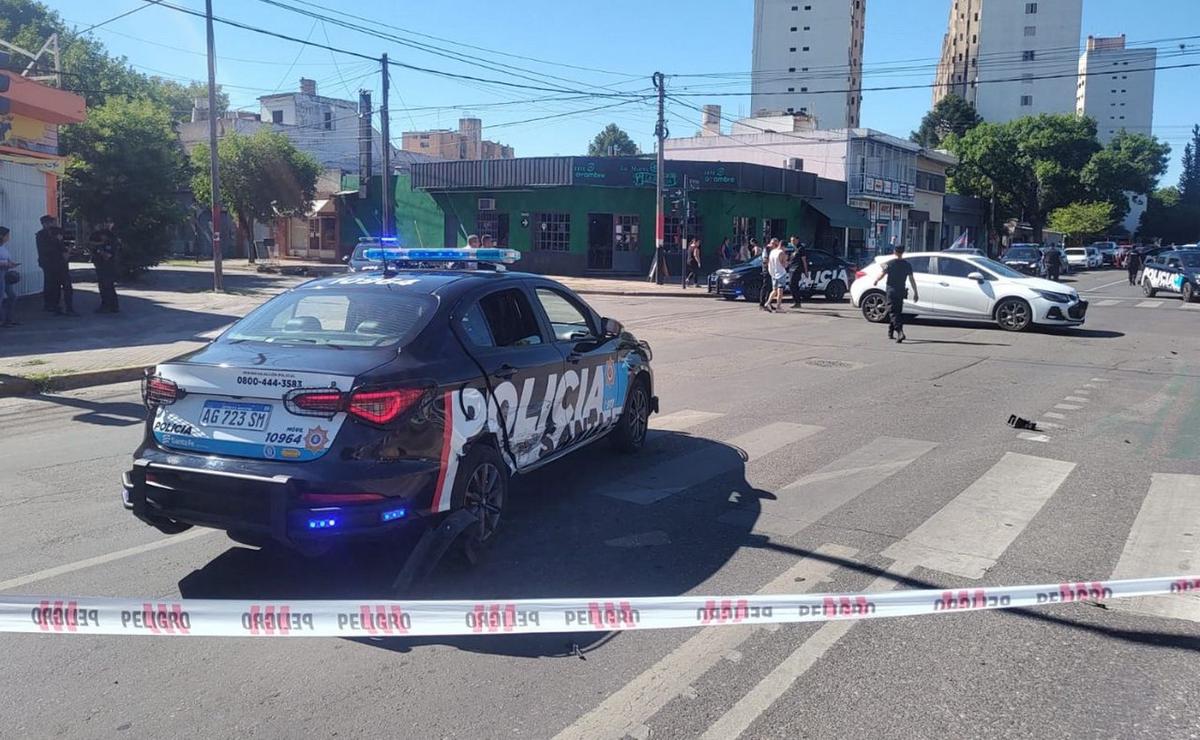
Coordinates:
(22, 203)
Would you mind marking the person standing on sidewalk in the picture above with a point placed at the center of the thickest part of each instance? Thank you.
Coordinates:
(897, 272)
(9, 277)
(693, 262)
(765, 291)
(105, 249)
(53, 259)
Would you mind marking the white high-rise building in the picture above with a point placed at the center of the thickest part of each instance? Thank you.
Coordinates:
(808, 59)
(1011, 58)
(1116, 86)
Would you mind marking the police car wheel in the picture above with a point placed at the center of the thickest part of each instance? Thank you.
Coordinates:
(1188, 293)
(835, 291)
(483, 486)
(630, 432)
(875, 307)
(1147, 290)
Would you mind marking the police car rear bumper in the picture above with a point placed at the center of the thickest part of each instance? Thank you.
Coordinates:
(267, 506)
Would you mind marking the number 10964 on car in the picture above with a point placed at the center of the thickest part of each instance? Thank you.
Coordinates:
(225, 415)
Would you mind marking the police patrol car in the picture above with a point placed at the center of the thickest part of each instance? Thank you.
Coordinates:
(827, 276)
(350, 406)
(1175, 272)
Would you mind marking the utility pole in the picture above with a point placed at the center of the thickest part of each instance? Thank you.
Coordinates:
(684, 241)
(660, 133)
(386, 161)
(214, 167)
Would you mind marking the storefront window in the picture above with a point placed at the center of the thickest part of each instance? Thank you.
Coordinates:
(493, 224)
(625, 237)
(744, 229)
(552, 232)
(674, 227)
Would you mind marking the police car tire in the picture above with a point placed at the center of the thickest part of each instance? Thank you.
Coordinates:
(1147, 290)
(835, 291)
(630, 432)
(479, 537)
(1188, 293)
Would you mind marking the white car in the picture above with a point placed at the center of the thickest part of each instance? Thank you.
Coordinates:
(974, 288)
(1085, 258)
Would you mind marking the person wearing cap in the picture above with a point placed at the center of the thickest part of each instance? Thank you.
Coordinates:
(53, 259)
(105, 246)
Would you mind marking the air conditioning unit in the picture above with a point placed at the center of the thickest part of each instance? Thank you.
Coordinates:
(795, 163)
(487, 204)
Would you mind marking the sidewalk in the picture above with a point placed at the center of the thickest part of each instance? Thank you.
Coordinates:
(169, 311)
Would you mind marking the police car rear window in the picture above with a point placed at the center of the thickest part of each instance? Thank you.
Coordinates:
(336, 318)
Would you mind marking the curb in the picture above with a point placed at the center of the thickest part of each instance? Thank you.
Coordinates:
(70, 381)
(641, 293)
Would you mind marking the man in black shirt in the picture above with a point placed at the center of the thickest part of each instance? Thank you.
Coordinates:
(52, 258)
(799, 258)
(105, 245)
(897, 272)
(1053, 263)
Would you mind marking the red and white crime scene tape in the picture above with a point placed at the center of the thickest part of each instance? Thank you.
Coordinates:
(213, 617)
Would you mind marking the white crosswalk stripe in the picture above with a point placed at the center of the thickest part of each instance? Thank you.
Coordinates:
(1108, 302)
(1149, 304)
(807, 500)
(681, 420)
(1164, 540)
(680, 473)
(971, 532)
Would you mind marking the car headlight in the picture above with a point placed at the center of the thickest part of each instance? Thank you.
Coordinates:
(1054, 297)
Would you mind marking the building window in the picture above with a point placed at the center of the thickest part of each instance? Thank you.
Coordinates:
(673, 230)
(794, 29)
(805, 89)
(808, 28)
(276, 116)
(552, 232)
(791, 69)
(328, 120)
(1030, 8)
(1028, 56)
(1026, 100)
(791, 89)
(1031, 30)
(804, 48)
(792, 49)
(625, 234)
(493, 224)
(744, 229)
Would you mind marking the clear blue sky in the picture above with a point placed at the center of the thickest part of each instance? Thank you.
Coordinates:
(622, 40)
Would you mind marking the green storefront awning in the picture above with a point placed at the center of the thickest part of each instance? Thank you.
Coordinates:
(841, 215)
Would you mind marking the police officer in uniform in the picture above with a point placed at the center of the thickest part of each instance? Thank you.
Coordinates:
(105, 247)
(898, 272)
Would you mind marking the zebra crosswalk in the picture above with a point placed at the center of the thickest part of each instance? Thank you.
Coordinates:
(964, 539)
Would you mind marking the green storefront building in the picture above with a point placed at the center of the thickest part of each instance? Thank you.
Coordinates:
(577, 215)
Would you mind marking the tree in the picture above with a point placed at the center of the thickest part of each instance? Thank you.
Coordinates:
(1169, 219)
(180, 97)
(1131, 163)
(1083, 219)
(262, 176)
(612, 141)
(126, 164)
(951, 115)
(1189, 180)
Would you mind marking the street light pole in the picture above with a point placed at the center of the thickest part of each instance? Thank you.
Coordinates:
(385, 133)
(214, 166)
(660, 133)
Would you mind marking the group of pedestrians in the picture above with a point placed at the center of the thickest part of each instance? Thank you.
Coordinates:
(58, 294)
(776, 261)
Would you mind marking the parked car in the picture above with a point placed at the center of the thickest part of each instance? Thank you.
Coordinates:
(1176, 271)
(1026, 258)
(829, 276)
(1084, 258)
(357, 260)
(973, 288)
(1108, 251)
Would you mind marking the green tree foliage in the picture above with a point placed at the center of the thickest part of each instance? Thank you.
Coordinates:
(951, 116)
(1083, 219)
(262, 176)
(1189, 180)
(1037, 164)
(126, 164)
(612, 141)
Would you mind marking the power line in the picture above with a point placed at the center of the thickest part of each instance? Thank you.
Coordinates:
(118, 17)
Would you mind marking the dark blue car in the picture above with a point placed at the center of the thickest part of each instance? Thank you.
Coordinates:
(352, 406)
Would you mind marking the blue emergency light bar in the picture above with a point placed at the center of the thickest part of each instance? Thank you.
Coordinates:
(466, 254)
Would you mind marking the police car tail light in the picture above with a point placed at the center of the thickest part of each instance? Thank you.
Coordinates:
(158, 391)
(314, 403)
(383, 406)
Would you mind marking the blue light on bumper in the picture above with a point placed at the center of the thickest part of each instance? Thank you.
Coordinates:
(322, 523)
(393, 515)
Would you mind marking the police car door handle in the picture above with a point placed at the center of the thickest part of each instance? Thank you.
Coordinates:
(574, 358)
(504, 372)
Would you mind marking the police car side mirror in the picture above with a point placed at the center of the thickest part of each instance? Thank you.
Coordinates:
(976, 276)
(612, 327)
(346, 259)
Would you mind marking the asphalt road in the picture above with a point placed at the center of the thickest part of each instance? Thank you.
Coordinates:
(812, 455)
